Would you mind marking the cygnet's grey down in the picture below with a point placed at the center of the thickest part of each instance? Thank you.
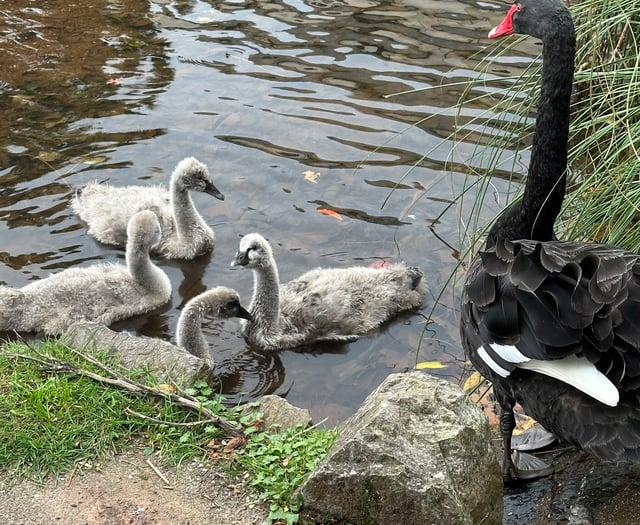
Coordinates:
(218, 303)
(105, 292)
(325, 304)
(107, 210)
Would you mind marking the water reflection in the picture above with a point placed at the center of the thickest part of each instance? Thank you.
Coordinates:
(263, 92)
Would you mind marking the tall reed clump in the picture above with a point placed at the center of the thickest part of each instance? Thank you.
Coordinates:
(603, 203)
(603, 196)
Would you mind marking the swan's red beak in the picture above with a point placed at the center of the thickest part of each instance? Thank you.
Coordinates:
(505, 27)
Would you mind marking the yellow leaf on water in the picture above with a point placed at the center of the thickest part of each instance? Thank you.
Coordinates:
(429, 364)
(311, 176)
(96, 159)
(48, 156)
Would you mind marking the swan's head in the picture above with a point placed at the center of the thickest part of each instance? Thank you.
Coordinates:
(143, 230)
(541, 19)
(220, 303)
(192, 175)
(254, 252)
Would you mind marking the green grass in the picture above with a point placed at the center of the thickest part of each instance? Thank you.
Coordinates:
(54, 422)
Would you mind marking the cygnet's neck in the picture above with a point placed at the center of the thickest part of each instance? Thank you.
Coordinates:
(185, 214)
(141, 268)
(265, 303)
(189, 331)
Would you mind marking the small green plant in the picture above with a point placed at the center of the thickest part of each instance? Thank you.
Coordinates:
(280, 462)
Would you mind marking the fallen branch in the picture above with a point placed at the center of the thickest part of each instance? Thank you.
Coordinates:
(159, 421)
(53, 365)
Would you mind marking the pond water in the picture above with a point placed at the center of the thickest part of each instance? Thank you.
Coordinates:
(287, 103)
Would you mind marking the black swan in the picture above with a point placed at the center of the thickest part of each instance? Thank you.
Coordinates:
(218, 303)
(106, 292)
(554, 324)
(325, 304)
(107, 210)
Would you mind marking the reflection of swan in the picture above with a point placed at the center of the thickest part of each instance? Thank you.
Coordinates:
(337, 304)
(105, 292)
(218, 303)
(107, 209)
(554, 324)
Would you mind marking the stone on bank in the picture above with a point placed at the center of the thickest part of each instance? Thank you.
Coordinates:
(418, 451)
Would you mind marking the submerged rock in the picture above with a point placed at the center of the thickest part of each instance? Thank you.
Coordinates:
(418, 451)
(161, 358)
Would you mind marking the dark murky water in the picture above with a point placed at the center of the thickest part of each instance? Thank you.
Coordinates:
(262, 92)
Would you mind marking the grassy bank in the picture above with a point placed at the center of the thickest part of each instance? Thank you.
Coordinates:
(62, 409)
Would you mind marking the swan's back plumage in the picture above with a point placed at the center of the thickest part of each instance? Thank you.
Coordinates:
(104, 292)
(324, 304)
(107, 210)
(218, 303)
(552, 300)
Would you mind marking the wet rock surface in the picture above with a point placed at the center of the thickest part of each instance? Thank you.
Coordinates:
(582, 491)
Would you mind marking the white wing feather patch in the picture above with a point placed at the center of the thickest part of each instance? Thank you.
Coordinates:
(580, 374)
(575, 371)
(509, 353)
(491, 363)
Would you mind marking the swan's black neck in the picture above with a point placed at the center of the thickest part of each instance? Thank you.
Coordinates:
(534, 216)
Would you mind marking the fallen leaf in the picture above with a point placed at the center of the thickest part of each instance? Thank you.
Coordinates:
(48, 156)
(165, 387)
(97, 159)
(311, 176)
(473, 381)
(331, 213)
(429, 364)
(233, 444)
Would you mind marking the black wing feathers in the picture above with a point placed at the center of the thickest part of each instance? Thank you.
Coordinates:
(558, 298)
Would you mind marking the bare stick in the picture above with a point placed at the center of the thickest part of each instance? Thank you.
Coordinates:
(160, 475)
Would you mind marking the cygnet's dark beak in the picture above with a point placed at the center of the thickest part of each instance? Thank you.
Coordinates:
(241, 259)
(244, 313)
(212, 190)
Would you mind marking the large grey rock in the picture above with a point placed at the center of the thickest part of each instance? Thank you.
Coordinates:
(417, 452)
(161, 358)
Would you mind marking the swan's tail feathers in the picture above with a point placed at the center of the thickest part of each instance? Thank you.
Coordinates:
(416, 276)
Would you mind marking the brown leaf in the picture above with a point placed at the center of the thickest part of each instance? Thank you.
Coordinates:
(233, 444)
